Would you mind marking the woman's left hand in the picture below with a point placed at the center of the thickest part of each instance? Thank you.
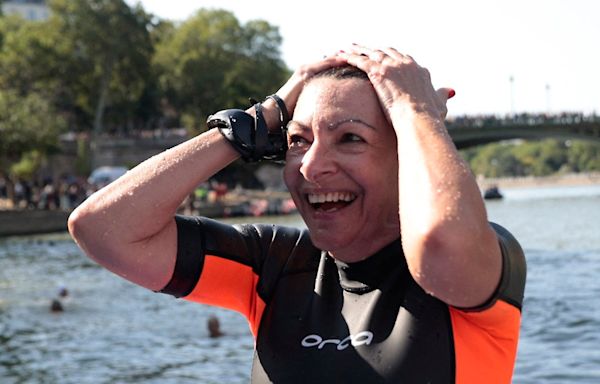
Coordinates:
(400, 83)
(451, 250)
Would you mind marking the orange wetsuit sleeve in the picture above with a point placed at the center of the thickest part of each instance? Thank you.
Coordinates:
(229, 284)
(226, 265)
(485, 343)
(486, 338)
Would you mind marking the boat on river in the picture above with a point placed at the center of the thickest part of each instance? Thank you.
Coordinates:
(492, 193)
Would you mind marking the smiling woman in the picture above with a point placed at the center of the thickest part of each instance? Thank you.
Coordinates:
(398, 277)
(341, 151)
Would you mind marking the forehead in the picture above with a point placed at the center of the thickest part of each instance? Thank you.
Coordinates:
(327, 99)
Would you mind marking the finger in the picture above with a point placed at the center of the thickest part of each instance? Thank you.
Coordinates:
(376, 55)
(307, 71)
(394, 53)
(363, 58)
(292, 88)
(445, 93)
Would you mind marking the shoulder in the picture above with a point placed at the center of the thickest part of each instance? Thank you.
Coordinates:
(514, 268)
(511, 287)
(261, 248)
(240, 240)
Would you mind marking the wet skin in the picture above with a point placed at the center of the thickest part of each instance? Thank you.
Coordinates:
(342, 168)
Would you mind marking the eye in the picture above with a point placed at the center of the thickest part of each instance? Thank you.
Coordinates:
(296, 141)
(351, 138)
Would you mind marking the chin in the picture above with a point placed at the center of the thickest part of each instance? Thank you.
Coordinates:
(326, 242)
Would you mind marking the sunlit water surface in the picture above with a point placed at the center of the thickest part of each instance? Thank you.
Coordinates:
(115, 332)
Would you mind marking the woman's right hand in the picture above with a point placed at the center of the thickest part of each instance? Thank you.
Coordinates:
(399, 81)
(291, 90)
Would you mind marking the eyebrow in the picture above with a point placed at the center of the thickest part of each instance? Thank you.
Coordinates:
(332, 126)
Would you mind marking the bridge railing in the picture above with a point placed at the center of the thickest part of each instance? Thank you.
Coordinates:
(564, 118)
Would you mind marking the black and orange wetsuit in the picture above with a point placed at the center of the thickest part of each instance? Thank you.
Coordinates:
(318, 320)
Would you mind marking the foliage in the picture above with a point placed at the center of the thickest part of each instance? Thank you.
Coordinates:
(109, 48)
(211, 62)
(26, 167)
(537, 158)
(28, 126)
(108, 67)
(103, 66)
(583, 156)
(26, 56)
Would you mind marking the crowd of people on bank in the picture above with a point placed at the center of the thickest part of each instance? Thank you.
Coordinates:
(64, 193)
(531, 119)
(68, 192)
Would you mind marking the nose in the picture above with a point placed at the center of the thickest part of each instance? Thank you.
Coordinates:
(318, 162)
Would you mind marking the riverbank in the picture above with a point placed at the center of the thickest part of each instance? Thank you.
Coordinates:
(30, 222)
(571, 179)
(254, 203)
(236, 203)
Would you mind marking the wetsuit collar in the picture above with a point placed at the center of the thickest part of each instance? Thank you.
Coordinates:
(366, 275)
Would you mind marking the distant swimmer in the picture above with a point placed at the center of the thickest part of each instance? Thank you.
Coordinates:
(56, 306)
(214, 326)
(62, 295)
(63, 291)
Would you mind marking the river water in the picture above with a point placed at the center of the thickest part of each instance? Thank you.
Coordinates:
(112, 331)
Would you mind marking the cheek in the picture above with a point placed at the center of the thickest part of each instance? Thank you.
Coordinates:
(290, 174)
(383, 177)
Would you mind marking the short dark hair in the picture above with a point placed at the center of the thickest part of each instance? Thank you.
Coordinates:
(343, 72)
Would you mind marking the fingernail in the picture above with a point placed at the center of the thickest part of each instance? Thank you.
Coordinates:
(451, 93)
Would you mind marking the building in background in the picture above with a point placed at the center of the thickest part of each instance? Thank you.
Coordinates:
(28, 9)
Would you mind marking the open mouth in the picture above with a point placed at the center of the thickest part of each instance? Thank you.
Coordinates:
(331, 201)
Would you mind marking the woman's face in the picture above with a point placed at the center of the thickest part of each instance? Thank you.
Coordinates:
(342, 168)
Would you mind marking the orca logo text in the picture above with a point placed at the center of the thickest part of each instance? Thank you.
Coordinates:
(361, 338)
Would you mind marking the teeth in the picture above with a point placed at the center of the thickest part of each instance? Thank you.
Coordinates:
(333, 197)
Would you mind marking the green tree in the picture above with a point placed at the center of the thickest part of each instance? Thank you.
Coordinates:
(211, 62)
(148, 111)
(536, 158)
(26, 60)
(91, 59)
(541, 158)
(494, 160)
(583, 156)
(35, 58)
(29, 128)
(107, 48)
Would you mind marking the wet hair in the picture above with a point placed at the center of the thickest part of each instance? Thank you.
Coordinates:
(343, 72)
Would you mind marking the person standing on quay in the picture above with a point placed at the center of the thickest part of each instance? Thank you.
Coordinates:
(399, 277)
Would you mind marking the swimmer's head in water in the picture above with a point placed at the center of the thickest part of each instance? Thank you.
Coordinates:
(214, 327)
(56, 306)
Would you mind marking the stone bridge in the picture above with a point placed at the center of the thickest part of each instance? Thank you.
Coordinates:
(466, 131)
(471, 131)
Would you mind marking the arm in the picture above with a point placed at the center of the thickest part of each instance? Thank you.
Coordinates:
(450, 248)
(129, 227)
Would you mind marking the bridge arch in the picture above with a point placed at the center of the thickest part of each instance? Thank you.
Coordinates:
(472, 131)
